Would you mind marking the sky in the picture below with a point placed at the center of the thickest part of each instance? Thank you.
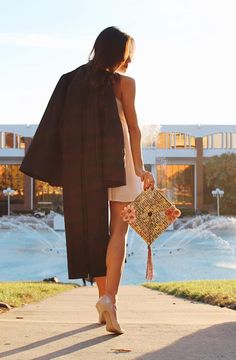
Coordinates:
(184, 63)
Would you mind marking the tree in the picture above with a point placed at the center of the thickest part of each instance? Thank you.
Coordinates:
(220, 172)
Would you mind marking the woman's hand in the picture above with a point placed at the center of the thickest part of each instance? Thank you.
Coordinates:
(147, 178)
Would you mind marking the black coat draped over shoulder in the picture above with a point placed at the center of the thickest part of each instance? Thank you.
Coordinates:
(79, 145)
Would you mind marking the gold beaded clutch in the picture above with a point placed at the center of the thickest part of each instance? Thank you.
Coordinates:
(149, 215)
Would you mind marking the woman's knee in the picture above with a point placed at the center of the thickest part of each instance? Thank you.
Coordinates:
(118, 233)
(118, 229)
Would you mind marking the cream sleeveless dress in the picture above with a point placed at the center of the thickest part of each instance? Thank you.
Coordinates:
(133, 187)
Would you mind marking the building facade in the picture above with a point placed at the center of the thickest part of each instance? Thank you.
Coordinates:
(176, 155)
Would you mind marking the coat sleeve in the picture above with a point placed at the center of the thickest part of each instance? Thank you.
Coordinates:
(43, 159)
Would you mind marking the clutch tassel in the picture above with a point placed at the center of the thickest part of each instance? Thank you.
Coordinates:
(149, 270)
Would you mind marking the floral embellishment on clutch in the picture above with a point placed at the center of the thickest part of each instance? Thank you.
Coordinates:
(172, 213)
(128, 214)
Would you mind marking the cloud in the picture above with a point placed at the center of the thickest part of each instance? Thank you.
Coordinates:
(39, 40)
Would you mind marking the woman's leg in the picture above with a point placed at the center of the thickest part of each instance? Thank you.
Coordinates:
(101, 284)
(115, 252)
(116, 249)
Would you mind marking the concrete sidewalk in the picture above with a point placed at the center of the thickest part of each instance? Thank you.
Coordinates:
(157, 326)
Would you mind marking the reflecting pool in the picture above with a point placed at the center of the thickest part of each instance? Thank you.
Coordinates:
(203, 247)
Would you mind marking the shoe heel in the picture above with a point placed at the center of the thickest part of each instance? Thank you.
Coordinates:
(112, 324)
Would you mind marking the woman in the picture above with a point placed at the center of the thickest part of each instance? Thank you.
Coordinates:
(89, 142)
(116, 61)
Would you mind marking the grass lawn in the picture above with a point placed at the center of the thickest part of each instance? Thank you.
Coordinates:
(214, 292)
(21, 293)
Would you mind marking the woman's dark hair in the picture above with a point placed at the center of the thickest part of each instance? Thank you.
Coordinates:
(108, 51)
(109, 48)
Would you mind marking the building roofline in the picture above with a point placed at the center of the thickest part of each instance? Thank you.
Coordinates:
(194, 130)
(197, 130)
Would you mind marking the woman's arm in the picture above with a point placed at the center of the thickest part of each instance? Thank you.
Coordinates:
(128, 99)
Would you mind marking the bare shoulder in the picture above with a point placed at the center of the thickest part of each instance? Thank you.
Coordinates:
(128, 101)
(126, 81)
(127, 86)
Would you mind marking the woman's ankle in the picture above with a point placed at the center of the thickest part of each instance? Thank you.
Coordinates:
(112, 297)
(101, 294)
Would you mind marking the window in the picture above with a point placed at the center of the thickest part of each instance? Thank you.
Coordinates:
(20, 143)
(228, 140)
(192, 142)
(172, 140)
(12, 177)
(205, 142)
(47, 193)
(234, 140)
(162, 141)
(175, 141)
(209, 141)
(9, 142)
(179, 139)
(224, 141)
(177, 183)
(217, 141)
(168, 140)
(189, 141)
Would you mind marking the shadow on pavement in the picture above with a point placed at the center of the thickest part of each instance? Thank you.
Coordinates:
(213, 343)
(68, 350)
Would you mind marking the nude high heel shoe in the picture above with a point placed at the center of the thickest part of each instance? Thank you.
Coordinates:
(109, 311)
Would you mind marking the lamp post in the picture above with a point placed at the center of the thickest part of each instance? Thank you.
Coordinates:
(8, 192)
(218, 193)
